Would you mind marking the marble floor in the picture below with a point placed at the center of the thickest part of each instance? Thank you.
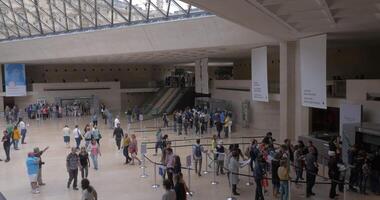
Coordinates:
(114, 180)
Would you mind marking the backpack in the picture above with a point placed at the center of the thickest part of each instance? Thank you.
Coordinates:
(198, 151)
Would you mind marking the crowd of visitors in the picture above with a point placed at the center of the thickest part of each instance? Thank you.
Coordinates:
(200, 121)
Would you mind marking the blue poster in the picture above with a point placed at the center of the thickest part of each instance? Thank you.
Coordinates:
(15, 82)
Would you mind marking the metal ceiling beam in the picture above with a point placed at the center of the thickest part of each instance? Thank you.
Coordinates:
(76, 9)
(167, 12)
(158, 9)
(5, 25)
(148, 10)
(326, 10)
(179, 6)
(114, 9)
(51, 15)
(32, 14)
(13, 16)
(65, 15)
(38, 16)
(263, 9)
(80, 14)
(97, 13)
(26, 16)
(16, 24)
(130, 9)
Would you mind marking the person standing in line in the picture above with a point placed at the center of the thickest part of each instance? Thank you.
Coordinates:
(234, 171)
(179, 188)
(169, 192)
(227, 124)
(158, 141)
(179, 122)
(6, 140)
(89, 193)
(259, 175)
(175, 121)
(333, 174)
(283, 175)
(118, 134)
(66, 135)
(32, 169)
(311, 171)
(133, 149)
(96, 134)
(22, 126)
(165, 119)
(169, 163)
(38, 154)
(77, 136)
(126, 142)
(72, 164)
(84, 162)
(94, 119)
(94, 150)
(220, 154)
(275, 177)
(197, 156)
(16, 137)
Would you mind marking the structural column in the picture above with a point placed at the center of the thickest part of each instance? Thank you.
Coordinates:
(1, 91)
(294, 118)
(287, 90)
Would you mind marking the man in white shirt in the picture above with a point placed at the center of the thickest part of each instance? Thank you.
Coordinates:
(66, 135)
(22, 128)
(77, 136)
(116, 122)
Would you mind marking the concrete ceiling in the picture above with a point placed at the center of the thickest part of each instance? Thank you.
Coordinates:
(172, 42)
(292, 19)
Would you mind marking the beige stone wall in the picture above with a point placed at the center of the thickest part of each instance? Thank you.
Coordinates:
(263, 117)
(130, 76)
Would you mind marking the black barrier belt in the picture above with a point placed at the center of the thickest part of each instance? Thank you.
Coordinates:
(156, 163)
(205, 138)
(190, 145)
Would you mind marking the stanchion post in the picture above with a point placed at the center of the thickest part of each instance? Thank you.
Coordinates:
(206, 170)
(188, 163)
(231, 197)
(214, 182)
(155, 185)
(249, 183)
(143, 175)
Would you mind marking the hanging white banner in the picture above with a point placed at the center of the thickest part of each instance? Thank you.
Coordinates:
(259, 70)
(204, 75)
(313, 71)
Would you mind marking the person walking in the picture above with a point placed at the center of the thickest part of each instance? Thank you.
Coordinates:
(16, 136)
(96, 134)
(94, 119)
(89, 193)
(234, 172)
(118, 135)
(169, 163)
(126, 142)
(6, 140)
(72, 164)
(22, 127)
(197, 156)
(133, 149)
(32, 169)
(84, 162)
(77, 136)
(94, 150)
(87, 135)
(283, 175)
(311, 171)
(66, 135)
(220, 154)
